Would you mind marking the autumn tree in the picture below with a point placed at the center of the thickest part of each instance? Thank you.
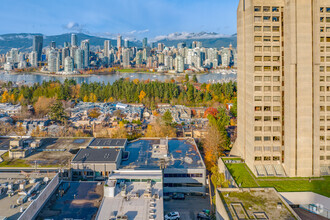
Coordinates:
(142, 95)
(94, 113)
(92, 97)
(159, 129)
(20, 131)
(41, 107)
(117, 113)
(119, 132)
(210, 111)
(5, 97)
(213, 146)
(85, 99)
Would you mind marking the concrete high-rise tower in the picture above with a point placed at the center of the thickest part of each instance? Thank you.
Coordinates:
(79, 58)
(68, 65)
(53, 62)
(119, 40)
(52, 44)
(283, 86)
(74, 41)
(145, 42)
(85, 48)
(107, 44)
(126, 43)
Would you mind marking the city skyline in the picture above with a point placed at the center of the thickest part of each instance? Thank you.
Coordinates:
(131, 19)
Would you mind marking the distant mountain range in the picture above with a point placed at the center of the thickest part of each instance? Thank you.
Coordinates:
(23, 41)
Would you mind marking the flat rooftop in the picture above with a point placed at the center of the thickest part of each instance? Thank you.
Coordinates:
(261, 203)
(183, 153)
(137, 206)
(4, 144)
(53, 152)
(98, 142)
(8, 205)
(92, 155)
(81, 200)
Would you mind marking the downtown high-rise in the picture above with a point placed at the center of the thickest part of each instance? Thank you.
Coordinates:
(284, 86)
(85, 47)
(107, 45)
(37, 45)
(74, 41)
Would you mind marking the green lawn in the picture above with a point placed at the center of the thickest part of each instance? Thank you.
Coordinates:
(241, 174)
(292, 184)
(127, 70)
(7, 162)
(231, 158)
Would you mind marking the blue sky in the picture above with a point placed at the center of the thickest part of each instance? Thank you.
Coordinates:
(131, 18)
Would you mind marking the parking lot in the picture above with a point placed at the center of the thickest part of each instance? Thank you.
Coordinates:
(188, 208)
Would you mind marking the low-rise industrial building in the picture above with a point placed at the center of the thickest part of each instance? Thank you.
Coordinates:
(183, 167)
(91, 164)
(133, 195)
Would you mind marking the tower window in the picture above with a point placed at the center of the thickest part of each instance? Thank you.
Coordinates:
(275, 9)
(257, 8)
(276, 19)
(266, 9)
(266, 18)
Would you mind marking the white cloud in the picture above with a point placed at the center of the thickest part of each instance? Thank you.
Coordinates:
(131, 35)
(185, 36)
(74, 26)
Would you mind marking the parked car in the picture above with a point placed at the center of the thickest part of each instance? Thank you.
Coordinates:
(172, 216)
(205, 214)
(178, 196)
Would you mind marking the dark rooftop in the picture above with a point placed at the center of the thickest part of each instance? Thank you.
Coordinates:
(4, 144)
(90, 155)
(183, 154)
(100, 142)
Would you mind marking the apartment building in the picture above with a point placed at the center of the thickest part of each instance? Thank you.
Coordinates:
(284, 86)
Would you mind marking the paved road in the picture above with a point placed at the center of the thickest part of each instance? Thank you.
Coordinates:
(305, 215)
(188, 208)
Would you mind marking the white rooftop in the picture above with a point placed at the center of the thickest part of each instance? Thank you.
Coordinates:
(136, 203)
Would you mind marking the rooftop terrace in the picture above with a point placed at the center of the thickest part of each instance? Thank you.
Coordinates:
(183, 154)
(255, 203)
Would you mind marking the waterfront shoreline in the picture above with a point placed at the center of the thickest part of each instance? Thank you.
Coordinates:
(33, 77)
(106, 74)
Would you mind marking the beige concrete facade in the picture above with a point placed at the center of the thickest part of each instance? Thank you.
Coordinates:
(283, 84)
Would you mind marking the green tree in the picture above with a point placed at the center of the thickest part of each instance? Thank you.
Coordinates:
(167, 117)
(218, 179)
(194, 79)
(233, 109)
(187, 78)
(57, 112)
